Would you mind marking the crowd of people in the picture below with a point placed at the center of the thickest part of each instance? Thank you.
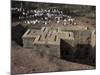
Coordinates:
(44, 16)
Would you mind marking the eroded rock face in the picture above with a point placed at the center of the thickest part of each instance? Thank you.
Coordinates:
(17, 32)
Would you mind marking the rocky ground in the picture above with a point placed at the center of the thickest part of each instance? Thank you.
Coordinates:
(25, 60)
(86, 21)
